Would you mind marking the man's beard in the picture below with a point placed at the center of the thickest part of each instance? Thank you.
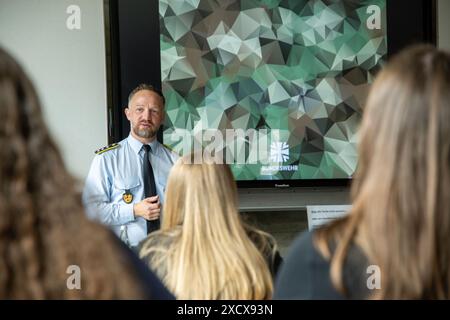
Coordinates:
(144, 133)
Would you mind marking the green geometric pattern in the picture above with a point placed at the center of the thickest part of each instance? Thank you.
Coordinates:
(299, 68)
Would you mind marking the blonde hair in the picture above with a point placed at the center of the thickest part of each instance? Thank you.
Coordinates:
(210, 255)
(400, 216)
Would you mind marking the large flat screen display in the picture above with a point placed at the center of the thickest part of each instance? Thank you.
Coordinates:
(272, 87)
(275, 88)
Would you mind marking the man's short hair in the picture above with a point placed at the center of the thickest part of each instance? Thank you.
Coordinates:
(149, 87)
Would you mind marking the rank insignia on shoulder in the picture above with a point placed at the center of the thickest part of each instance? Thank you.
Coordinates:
(127, 196)
(169, 148)
(107, 148)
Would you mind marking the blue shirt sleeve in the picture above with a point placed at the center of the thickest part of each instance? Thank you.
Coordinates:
(97, 196)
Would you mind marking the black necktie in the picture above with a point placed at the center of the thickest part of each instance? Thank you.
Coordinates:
(149, 186)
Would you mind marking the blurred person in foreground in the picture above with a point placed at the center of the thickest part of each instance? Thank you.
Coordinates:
(204, 250)
(44, 232)
(394, 244)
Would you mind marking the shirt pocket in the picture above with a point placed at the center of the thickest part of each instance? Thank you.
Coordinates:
(127, 186)
(162, 185)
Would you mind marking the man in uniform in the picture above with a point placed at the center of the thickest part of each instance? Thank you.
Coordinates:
(126, 182)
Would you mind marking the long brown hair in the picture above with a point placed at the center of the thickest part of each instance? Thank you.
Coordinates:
(203, 250)
(401, 208)
(43, 229)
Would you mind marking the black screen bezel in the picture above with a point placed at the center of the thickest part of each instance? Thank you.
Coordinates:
(135, 59)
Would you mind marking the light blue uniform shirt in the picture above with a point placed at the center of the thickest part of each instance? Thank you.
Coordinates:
(117, 171)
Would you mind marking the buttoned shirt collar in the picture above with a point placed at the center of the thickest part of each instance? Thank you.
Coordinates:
(136, 145)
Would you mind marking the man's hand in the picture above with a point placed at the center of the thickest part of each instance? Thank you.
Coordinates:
(149, 208)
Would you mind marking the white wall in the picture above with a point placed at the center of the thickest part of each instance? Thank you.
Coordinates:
(67, 67)
(444, 24)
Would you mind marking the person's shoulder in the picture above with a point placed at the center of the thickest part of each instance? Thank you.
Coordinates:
(167, 148)
(158, 241)
(302, 252)
(304, 241)
(110, 149)
(107, 148)
(169, 151)
(154, 250)
(295, 278)
(305, 272)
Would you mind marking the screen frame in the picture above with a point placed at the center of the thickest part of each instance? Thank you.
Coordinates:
(134, 60)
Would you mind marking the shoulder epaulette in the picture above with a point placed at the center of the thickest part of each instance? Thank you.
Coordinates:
(167, 147)
(107, 148)
(170, 148)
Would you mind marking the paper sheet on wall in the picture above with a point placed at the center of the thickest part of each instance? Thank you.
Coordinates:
(321, 215)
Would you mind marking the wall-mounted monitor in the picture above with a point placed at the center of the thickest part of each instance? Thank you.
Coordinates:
(275, 88)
